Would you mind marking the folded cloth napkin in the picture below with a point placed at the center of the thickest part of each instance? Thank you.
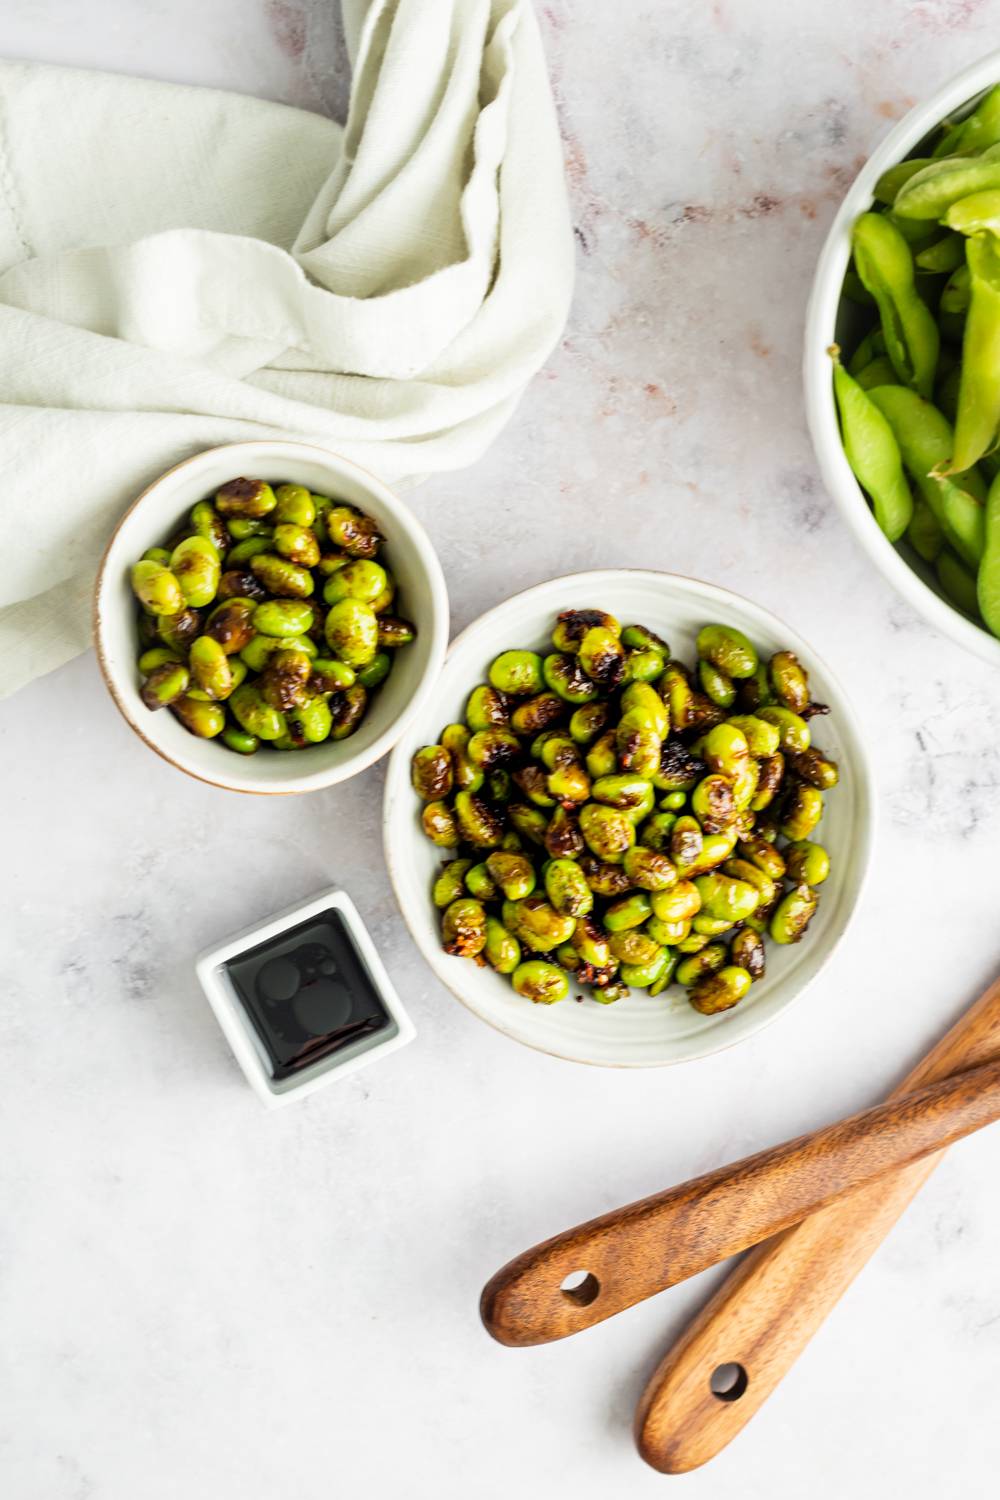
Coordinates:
(181, 267)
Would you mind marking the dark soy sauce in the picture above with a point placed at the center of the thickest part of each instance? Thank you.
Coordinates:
(307, 993)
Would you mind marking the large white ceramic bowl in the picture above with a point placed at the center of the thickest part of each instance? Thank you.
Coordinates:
(830, 320)
(422, 598)
(640, 1031)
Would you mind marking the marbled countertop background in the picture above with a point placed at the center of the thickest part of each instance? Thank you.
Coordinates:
(198, 1299)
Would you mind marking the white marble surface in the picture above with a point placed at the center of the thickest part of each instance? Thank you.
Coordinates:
(198, 1299)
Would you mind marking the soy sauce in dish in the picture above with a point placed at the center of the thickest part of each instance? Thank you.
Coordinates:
(307, 993)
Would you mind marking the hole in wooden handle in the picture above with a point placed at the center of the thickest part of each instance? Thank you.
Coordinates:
(728, 1382)
(581, 1287)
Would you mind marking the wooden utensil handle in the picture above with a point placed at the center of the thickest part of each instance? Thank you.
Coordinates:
(766, 1311)
(641, 1249)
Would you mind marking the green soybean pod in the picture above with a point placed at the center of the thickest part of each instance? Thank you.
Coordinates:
(924, 532)
(988, 581)
(891, 182)
(872, 452)
(944, 255)
(885, 265)
(878, 372)
(980, 129)
(977, 212)
(979, 389)
(930, 192)
(926, 442)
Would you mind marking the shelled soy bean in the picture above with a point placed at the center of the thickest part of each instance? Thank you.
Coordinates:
(264, 620)
(617, 820)
(919, 400)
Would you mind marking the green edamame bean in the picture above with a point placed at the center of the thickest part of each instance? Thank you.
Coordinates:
(602, 656)
(562, 836)
(232, 624)
(487, 709)
(159, 555)
(721, 991)
(872, 452)
(793, 914)
(260, 647)
(644, 976)
(708, 960)
(491, 748)
(746, 951)
(604, 879)
(801, 812)
(724, 749)
(679, 904)
(813, 766)
(440, 825)
(165, 683)
(586, 722)
(713, 803)
(360, 579)
(628, 911)
(450, 882)
(351, 531)
(156, 588)
(634, 947)
(669, 934)
(988, 582)
(295, 504)
(590, 941)
(242, 553)
(455, 739)
(208, 523)
(351, 631)
(643, 666)
(565, 677)
(298, 544)
(728, 650)
(751, 874)
(279, 576)
(478, 823)
(514, 875)
(541, 982)
(572, 625)
(284, 617)
(926, 443)
(793, 730)
(762, 738)
(200, 716)
(517, 673)
(757, 851)
(501, 950)
(621, 790)
(311, 719)
(331, 676)
(156, 656)
(527, 821)
(979, 387)
(463, 928)
(245, 497)
(567, 889)
(536, 924)
(210, 667)
(607, 831)
(726, 899)
(789, 681)
(808, 864)
(254, 715)
(240, 528)
(375, 671)
(179, 630)
(537, 714)
(649, 869)
(237, 739)
(716, 685)
(480, 883)
(772, 772)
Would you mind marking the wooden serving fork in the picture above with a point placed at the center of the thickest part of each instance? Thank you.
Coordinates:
(827, 1199)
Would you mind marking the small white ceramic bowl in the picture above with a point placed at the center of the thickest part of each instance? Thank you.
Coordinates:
(639, 1031)
(423, 598)
(829, 320)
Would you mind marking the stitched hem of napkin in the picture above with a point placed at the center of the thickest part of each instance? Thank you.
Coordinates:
(8, 187)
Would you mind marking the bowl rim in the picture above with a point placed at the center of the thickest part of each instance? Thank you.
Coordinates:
(439, 611)
(866, 794)
(820, 322)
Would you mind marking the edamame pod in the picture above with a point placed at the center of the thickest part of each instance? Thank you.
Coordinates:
(885, 265)
(872, 452)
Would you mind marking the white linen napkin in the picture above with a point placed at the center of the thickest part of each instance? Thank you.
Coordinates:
(181, 267)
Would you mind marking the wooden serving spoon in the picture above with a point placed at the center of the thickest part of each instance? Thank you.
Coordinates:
(762, 1317)
(625, 1256)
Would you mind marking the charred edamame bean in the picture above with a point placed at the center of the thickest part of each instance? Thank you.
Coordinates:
(543, 983)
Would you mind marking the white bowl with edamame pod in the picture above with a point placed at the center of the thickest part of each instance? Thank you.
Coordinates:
(831, 318)
(422, 598)
(640, 1030)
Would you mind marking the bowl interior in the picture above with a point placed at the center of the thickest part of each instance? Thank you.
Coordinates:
(833, 318)
(639, 1031)
(422, 597)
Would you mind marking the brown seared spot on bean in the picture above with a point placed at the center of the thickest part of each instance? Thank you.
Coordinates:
(563, 838)
(431, 769)
(714, 803)
(347, 710)
(240, 583)
(607, 668)
(245, 497)
(813, 766)
(355, 533)
(686, 841)
(283, 683)
(678, 764)
(812, 709)
(179, 630)
(771, 772)
(232, 627)
(703, 714)
(534, 783)
(573, 625)
(747, 951)
(604, 879)
(538, 713)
